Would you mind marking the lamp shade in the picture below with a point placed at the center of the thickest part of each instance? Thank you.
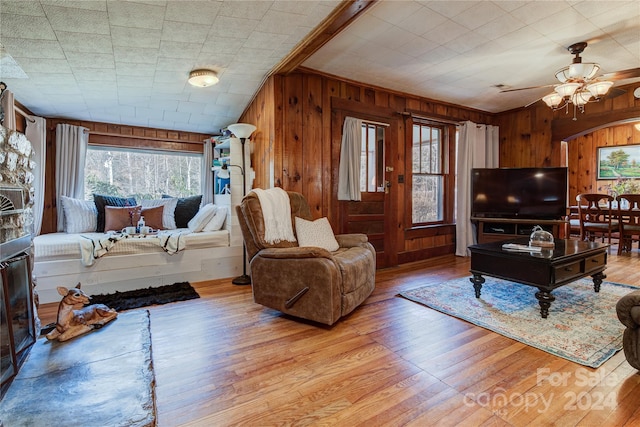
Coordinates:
(242, 130)
(598, 89)
(552, 100)
(203, 78)
(567, 89)
(581, 97)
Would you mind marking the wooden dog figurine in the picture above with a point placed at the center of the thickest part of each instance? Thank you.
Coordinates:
(74, 318)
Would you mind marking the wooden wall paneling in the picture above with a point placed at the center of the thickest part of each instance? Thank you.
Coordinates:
(331, 88)
(312, 142)
(292, 154)
(261, 113)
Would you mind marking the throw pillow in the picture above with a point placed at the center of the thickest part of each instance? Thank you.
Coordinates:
(80, 216)
(168, 216)
(186, 209)
(202, 218)
(316, 233)
(117, 218)
(101, 201)
(153, 217)
(218, 219)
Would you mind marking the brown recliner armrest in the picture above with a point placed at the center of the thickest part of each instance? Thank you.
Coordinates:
(295, 253)
(628, 309)
(351, 240)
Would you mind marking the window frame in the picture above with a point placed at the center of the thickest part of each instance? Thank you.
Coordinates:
(448, 174)
(163, 148)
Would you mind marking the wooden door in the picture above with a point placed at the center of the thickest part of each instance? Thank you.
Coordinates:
(372, 214)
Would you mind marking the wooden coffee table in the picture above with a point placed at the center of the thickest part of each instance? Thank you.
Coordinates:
(570, 260)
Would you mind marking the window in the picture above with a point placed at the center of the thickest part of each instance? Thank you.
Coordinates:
(372, 159)
(429, 170)
(143, 174)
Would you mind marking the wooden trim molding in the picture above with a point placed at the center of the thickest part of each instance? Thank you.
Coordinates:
(564, 129)
(337, 21)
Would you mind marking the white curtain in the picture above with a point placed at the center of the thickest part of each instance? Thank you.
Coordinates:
(36, 133)
(7, 103)
(478, 147)
(349, 171)
(207, 174)
(71, 152)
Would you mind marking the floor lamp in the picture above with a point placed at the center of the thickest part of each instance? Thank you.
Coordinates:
(243, 131)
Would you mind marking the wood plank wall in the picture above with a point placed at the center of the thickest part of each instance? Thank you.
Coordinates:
(113, 135)
(296, 149)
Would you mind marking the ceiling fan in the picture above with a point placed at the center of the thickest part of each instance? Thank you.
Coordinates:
(579, 83)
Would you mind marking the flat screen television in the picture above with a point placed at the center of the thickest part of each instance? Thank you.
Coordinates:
(532, 193)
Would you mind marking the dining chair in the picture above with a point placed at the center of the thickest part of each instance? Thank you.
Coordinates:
(597, 214)
(629, 221)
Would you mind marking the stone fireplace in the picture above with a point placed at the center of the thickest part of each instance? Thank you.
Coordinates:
(19, 323)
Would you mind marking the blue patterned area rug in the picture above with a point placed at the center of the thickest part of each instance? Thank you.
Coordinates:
(582, 325)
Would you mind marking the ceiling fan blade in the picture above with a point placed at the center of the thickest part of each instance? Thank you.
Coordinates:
(631, 73)
(613, 92)
(525, 88)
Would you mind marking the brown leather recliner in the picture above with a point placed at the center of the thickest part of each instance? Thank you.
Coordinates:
(628, 310)
(307, 282)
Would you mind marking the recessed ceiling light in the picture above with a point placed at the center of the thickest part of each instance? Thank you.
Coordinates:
(203, 78)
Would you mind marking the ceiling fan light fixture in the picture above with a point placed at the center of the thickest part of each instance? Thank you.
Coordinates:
(599, 89)
(203, 78)
(567, 89)
(581, 97)
(583, 70)
(552, 100)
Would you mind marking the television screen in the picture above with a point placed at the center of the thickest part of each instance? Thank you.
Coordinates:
(535, 193)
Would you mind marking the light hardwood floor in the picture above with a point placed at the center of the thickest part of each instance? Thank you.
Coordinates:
(222, 360)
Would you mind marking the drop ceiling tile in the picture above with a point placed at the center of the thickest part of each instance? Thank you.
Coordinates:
(135, 37)
(24, 48)
(129, 82)
(449, 8)
(390, 12)
(368, 27)
(176, 116)
(77, 20)
(90, 60)
(466, 42)
(497, 28)
(26, 27)
(231, 99)
(259, 39)
(222, 45)
(273, 21)
(136, 15)
(190, 107)
(103, 75)
(134, 69)
(422, 21)
(179, 50)
(164, 104)
(21, 7)
(193, 12)
(181, 32)
(225, 26)
(215, 109)
(149, 113)
(617, 19)
(479, 14)
(135, 55)
(32, 65)
(445, 32)
(254, 10)
(83, 42)
(77, 4)
(532, 12)
(203, 96)
(510, 5)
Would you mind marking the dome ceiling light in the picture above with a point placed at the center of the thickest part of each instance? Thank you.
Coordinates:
(203, 78)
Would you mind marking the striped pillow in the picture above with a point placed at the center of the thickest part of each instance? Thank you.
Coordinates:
(80, 216)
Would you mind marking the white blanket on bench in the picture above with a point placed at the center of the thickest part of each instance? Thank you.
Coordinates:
(92, 248)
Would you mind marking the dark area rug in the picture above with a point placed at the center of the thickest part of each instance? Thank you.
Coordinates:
(145, 297)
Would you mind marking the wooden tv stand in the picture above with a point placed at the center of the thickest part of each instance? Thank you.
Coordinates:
(496, 229)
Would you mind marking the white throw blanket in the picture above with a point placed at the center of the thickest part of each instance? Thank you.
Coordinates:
(92, 248)
(276, 211)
